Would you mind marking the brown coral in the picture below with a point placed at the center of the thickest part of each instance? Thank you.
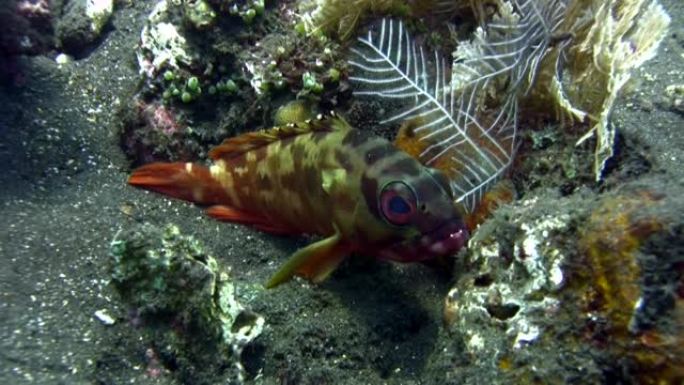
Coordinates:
(618, 286)
(610, 241)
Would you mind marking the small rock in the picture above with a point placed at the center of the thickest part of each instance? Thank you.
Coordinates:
(63, 58)
(81, 24)
(675, 98)
(99, 12)
(104, 317)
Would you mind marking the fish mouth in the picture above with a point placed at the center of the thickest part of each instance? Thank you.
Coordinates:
(445, 240)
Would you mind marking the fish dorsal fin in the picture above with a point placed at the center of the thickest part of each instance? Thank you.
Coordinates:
(241, 144)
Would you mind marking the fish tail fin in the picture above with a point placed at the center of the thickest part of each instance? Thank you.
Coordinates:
(187, 181)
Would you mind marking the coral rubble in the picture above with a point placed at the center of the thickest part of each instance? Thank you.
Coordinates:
(598, 282)
(184, 301)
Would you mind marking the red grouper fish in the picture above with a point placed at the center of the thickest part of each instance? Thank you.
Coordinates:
(321, 177)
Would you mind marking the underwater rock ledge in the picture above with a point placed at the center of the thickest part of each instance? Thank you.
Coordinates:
(575, 289)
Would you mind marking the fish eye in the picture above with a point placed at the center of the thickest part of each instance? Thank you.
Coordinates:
(398, 203)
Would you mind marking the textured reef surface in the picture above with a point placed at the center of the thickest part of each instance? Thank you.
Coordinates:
(574, 272)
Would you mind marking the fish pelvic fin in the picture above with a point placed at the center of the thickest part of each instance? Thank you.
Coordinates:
(241, 144)
(314, 262)
(187, 181)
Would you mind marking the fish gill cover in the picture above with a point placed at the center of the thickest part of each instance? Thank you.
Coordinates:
(464, 119)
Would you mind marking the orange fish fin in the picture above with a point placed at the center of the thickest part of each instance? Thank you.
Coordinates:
(314, 262)
(259, 222)
(238, 145)
(503, 192)
(187, 181)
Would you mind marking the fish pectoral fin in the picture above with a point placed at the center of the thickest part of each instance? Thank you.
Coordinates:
(259, 222)
(314, 262)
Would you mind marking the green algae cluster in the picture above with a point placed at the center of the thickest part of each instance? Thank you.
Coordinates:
(203, 14)
(200, 14)
(249, 10)
(190, 89)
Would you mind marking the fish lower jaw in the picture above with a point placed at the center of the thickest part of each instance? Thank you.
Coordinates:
(446, 242)
(454, 242)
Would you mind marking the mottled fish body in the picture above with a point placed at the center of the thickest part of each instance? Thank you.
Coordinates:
(321, 177)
